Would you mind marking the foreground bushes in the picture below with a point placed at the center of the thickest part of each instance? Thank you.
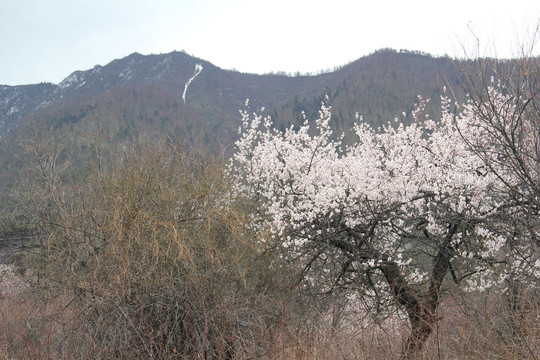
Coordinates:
(149, 258)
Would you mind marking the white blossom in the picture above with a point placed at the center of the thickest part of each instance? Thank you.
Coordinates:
(425, 170)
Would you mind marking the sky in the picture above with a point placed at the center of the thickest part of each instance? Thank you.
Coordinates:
(46, 40)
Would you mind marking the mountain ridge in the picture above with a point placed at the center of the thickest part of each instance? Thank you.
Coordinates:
(141, 96)
(170, 71)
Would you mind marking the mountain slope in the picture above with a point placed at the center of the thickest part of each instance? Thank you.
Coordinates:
(379, 86)
(146, 96)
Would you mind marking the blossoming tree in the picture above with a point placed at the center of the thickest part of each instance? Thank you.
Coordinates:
(395, 216)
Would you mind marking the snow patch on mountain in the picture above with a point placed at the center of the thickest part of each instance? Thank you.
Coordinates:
(73, 79)
(198, 69)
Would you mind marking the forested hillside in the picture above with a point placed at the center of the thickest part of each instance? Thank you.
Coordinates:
(148, 97)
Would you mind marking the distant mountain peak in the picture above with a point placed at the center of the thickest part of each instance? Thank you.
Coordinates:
(378, 86)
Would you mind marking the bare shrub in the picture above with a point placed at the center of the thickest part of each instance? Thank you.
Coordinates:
(151, 259)
(494, 325)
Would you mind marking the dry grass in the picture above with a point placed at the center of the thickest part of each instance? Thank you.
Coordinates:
(471, 326)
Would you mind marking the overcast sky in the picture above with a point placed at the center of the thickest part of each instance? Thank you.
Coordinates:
(46, 40)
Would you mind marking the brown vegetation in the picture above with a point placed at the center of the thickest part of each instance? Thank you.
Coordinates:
(147, 258)
(150, 258)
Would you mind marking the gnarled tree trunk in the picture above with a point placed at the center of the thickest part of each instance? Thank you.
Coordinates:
(420, 308)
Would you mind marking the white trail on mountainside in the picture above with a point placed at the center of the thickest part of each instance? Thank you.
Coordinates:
(198, 69)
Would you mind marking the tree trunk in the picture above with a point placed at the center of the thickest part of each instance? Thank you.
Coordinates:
(421, 309)
(420, 317)
(421, 328)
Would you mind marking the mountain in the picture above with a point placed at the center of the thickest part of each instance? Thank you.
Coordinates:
(378, 86)
(195, 101)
